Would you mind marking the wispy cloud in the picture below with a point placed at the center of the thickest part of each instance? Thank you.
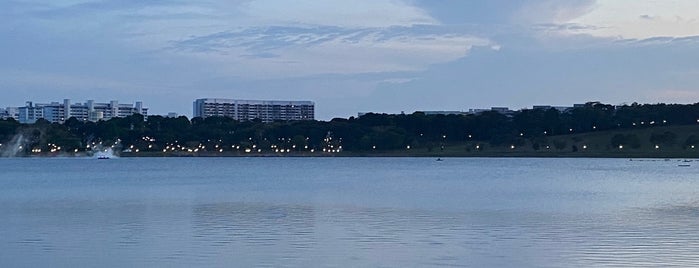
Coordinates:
(553, 11)
(326, 49)
(269, 37)
(356, 13)
(621, 19)
(565, 27)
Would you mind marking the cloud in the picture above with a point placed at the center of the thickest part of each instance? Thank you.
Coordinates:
(565, 27)
(553, 11)
(263, 38)
(355, 13)
(621, 19)
(293, 51)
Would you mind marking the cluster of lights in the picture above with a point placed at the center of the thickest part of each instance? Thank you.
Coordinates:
(99, 144)
(172, 147)
(334, 150)
(50, 148)
(333, 146)
(133, 149)
(653, 122)
(53, 147)
(254, 148)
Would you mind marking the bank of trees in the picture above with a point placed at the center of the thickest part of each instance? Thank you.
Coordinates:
(368, 132)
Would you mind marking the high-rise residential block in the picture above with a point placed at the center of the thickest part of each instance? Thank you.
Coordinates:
(265, 110)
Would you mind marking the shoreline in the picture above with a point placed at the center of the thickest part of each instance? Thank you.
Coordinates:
(630, 155)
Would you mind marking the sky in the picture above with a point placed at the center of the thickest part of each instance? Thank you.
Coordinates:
(353, 56)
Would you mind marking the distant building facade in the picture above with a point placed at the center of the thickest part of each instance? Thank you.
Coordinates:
(59, 112)
(500, 110)
(548, 107)
(442, 112)
(265, 110)
(9, 112)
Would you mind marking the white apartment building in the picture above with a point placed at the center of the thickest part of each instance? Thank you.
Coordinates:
(57, 112)
(245, 110)
(9, 112)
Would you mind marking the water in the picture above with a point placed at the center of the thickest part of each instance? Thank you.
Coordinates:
(340, 212)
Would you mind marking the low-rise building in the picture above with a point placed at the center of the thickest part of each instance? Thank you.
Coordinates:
(442, 112)
(561, 109)
(501, 110)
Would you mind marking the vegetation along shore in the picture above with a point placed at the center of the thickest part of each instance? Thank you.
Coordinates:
(595, 130)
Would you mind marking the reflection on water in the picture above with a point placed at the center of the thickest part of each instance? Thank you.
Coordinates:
(238, 223)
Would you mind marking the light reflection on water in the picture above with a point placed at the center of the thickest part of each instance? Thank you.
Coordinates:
(534, 213)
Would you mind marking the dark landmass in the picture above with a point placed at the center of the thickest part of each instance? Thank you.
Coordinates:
(595, 130)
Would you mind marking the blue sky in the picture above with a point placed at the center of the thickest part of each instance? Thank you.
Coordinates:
(351, 56)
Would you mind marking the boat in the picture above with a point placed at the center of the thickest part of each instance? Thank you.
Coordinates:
(683, 165)
(439, 159)
(103, 157)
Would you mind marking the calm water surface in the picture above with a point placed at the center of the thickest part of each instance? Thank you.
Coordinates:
(340, 212)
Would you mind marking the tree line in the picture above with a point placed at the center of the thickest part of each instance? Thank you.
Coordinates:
(366, 133)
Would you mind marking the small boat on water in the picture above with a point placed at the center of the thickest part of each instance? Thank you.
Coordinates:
(439, 159)
(103, 157)
(683, 165)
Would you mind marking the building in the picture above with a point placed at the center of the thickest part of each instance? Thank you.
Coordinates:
(442, 112)
(59, 112)
(9, 112)
(500, 110)
(265, 110)
(561, 109)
